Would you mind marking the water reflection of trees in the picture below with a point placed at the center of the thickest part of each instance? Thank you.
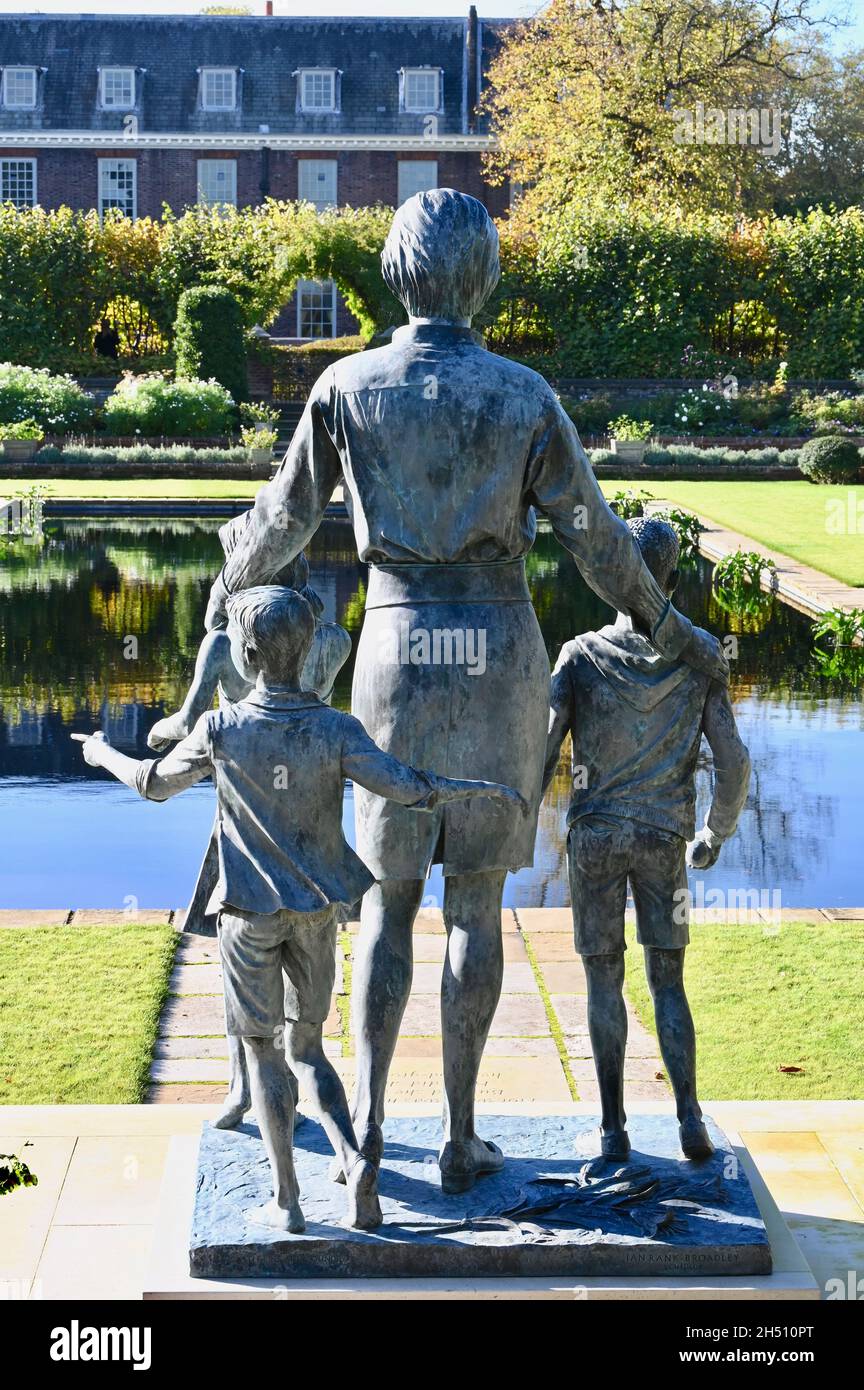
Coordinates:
(66, 609)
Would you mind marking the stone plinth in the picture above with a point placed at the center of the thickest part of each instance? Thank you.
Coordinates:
(555, 1209)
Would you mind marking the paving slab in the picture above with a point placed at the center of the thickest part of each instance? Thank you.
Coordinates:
(203, 978)
(110, 1180)
(193, 949)
(37, 917)
(191, 1014)
(551, 946)
(571, 1011)
(563, 977)
(94, 1262)
(108, 917)
(26, 1215)
(803, 1177)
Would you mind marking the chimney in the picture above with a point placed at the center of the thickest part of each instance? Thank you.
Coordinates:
(268, 8)
(471, 67)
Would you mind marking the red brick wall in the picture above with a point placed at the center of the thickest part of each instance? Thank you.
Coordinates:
(70, 176)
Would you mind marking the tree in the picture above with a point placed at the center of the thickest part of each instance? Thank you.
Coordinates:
(645, 101)
(827, 163)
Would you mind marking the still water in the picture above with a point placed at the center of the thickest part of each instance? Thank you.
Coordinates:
(71, 837)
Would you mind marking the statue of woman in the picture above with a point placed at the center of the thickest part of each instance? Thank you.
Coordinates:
(447, 453)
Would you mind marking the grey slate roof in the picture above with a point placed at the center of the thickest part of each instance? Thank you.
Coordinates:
(268, 50)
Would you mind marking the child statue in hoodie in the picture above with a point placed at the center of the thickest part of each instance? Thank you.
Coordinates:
(636, 721)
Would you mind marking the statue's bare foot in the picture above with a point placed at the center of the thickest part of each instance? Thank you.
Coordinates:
(364, 1209)
(288, 1218)
(615, 1143)
(462, 1161)
(371, 1148)
(234, 1107)
(166, 731)
(695, 1142)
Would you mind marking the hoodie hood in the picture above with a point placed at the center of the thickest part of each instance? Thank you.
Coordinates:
(635, 670)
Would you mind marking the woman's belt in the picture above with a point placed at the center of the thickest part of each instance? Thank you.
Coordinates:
(501, 581)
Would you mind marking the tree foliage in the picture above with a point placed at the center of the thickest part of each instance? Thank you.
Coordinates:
(688, 102)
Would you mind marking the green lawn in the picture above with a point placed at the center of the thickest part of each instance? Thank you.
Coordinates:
(790, 517)
(118, 490)
(762, 1001)
(78, 1011)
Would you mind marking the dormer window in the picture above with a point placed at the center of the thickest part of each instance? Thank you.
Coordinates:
(117, 89)
(420, 89)
(19, 88)
(317, 89)
(218, 89)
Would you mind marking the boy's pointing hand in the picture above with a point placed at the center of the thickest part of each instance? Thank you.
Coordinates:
(93, 746)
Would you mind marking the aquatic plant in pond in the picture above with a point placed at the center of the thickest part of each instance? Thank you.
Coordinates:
(737, 584)
(838, 645)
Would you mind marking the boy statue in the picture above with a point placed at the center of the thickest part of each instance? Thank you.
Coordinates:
(215, 672)
(636, 721)
(279, 758)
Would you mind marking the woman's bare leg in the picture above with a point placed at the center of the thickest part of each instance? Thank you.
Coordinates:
(470, 990)
(382, 974)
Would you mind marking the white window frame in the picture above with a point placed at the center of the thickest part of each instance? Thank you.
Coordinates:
(17, 68)
(210, 166)
(104, 170)
(315, 284)
(124, 105)
(404, 82)
(303, 104)
(10, 159)
(309, 172)
(222, 72)
(403, 175)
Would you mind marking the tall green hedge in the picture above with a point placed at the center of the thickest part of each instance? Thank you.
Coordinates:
(209, 341)
(618, 292)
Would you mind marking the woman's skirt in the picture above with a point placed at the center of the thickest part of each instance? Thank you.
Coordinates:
(452, 676)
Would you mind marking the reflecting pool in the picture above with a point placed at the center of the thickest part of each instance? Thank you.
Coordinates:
(99, 628)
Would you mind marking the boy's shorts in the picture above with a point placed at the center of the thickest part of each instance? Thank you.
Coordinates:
(602, 854)
(256, 950)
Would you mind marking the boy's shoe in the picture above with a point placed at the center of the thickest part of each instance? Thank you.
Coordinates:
(615, 1143)
(462, 1163)
(694, 1139)
(371, 1148)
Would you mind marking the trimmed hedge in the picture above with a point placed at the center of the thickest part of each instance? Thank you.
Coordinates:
(209, 339)
(830, 459)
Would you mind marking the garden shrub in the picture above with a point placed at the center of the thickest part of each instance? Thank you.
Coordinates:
(830, 412)
(209, 340)
(830, 459)
(88, 459)
(151, 405)
(57, 403)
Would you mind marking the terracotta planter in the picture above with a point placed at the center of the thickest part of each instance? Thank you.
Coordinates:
(21, 450)
(629, 450)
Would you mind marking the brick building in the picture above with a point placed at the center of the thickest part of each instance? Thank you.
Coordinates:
(131, 112)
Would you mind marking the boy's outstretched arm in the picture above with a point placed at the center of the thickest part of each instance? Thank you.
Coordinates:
(368, 765)
(188, 763)
(731, 778)
(560, 718)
